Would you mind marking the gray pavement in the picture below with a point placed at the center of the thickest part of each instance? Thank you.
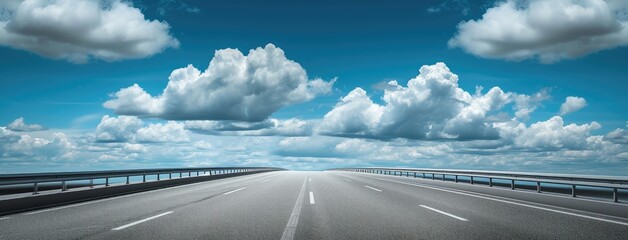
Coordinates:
(334, 205)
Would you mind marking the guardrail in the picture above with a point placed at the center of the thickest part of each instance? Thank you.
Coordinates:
(64, 177)
(610, 182)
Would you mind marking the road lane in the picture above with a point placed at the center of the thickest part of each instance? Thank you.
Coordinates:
(89, 218)
(342, 205)
(495, 218)
(605, 206)
(260, 211)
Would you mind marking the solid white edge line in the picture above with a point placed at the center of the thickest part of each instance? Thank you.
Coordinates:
(291, 226)
(444, 213)
(372, 188)
(311, 198)
(140, 221)
(230, 192)
(348, 179)
(135, 194)
(4, 218)
(510, 202)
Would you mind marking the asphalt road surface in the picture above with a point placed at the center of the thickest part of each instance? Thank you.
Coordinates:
(325, 205)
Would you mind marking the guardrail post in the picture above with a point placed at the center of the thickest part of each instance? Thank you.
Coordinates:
(423, 175)
(443, 177)
(414, 174)
(573, 190)
(169, 175)
(36, 189)
(91, 183)
(490, 182)
(615, 195)
(189, 174)
(158, 176)
(197, 173)
(127, 179)
(180, 175)
(64, 186)
(471, 179)
(538, 187)
(512, 184)
(107, 182)
(455, 178)
(144, 178)
(407, 174)
(432, 176)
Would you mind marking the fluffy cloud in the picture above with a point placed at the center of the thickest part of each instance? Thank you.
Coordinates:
(552, 134)
(526, 104)
(432, 106)
(572, 104)
(19, 146)
(77, 30)
(234, 87)
(131, 129)
(117, 129)
(547, 30)
(618, 135)
(269, 127)
(169, 132)
(19, 125)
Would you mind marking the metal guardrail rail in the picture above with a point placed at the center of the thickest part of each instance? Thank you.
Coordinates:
(64, 177)
(573, 180)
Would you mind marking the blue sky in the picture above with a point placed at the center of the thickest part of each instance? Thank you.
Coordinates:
(64, 86)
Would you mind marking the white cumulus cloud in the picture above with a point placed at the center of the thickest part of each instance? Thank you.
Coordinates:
(132, 130)
(552, 134)
(547, 30)
(15, 146)
(432, 106)
(572, 104)
(233, 87)
(269, 127)
(77, 30)
(169, 132)
(19, 125)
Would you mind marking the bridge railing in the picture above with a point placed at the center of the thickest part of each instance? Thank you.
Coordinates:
(574, 181)
(64, 177)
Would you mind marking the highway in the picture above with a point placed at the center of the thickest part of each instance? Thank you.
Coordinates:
(325, 205)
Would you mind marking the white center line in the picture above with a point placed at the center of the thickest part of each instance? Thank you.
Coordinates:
(4, 218)
(140, 221)
(348, 179)
(373, 188)
(230, 192)
(311, 198)
(476, 195)
(444, 213)
(291, 227)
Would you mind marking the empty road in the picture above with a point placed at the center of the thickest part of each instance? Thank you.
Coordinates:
(325, 205)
